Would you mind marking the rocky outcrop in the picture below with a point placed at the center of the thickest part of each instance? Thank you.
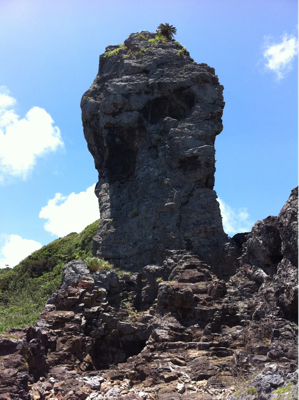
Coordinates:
(271, 251)
(192, 314)
(170, 331)
(150, 120)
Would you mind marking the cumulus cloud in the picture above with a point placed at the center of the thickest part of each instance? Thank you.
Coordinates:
(234, 221)
(279, 56)
(66, 214)
(15, 249)
(23, 140)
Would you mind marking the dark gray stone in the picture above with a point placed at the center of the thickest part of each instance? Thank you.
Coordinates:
(150, 120)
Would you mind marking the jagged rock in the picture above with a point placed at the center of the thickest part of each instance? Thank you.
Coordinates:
(14, 374)
(150, 120)
(288, 228)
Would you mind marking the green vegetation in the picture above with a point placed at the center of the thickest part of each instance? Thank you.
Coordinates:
(120, 271)
(9, 336)
(25, 288)
(139, 54)
(159, 280)
(289, 391)
(158, 38)
(167, 30)
(96, 264)
(161, 36)
(23, 367)
(115, 51)
(181, 52)
(252, 390)
(132, 314)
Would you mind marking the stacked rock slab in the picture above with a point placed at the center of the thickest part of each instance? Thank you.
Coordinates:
(150, 120)
(169, 332)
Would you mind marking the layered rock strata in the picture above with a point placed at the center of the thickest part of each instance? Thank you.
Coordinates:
(171, 331)
(150, 119)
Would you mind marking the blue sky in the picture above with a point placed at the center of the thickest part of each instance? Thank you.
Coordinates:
(49, 52)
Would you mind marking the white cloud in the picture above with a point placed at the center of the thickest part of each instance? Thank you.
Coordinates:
(279, 56)
(15, 249)
(66, 214)
(5, 99)
(234, 221)
(23, 140)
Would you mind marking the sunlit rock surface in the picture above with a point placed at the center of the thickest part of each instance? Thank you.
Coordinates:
(150, 120)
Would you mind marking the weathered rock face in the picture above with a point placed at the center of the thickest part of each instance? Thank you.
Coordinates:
(170, 331)
(271, 248)
(150, 120)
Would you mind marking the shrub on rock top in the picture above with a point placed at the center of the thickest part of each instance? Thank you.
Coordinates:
(167, 30)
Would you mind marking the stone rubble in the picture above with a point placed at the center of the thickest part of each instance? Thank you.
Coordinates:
(189, 335)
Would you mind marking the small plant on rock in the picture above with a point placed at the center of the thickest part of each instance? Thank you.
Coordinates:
(9, 336)
(252, 390)
(159, 280)
(284, 389)
(115, 51)
(158, 38)
(96, 264)
(23, 367)
(181, 52)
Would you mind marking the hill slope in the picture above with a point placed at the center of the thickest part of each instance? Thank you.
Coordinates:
(25, 288)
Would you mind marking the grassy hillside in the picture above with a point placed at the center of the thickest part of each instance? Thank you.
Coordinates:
(25, 288)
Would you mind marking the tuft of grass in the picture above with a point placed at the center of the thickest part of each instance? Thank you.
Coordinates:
(9, 336)
(23, 367)
(284, 389)
(159, 280)
(97, 264)
(158, 38)
(141, 37)
(115, 51)
(120, 271)
(181, 52)
(252, 390)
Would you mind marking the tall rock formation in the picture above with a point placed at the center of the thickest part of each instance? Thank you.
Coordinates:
(150, 120)
(170, 328)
